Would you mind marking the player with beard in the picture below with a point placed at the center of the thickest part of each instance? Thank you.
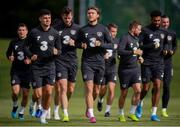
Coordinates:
(153, 44)
(96, 37)
(129, 69)
(66, 63)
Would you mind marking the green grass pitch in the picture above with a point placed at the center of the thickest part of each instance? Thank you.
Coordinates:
(77, 102)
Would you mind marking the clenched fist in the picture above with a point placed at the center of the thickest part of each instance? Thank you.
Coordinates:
(55, 51)
(27, 61)
(34, 57)
(71, 42)
(138, 52)
(11, 58)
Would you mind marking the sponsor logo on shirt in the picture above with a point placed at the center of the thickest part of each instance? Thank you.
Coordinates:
(131, 44)
(150, 35)
(86, 35)
(16, 46)
(60, 32)
(162, 75)
(38, 37)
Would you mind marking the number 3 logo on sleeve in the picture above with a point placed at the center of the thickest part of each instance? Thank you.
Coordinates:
(44, 45)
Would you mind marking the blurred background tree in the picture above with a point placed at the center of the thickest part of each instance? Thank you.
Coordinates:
(121, 12)
(124, 11)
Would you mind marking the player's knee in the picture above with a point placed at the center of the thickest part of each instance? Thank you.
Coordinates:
(15, 92)
(155, 90)
(96, 92)
(48, 92)
(138, 92)
(38, 95)
(64, 89)
(145, 88)
(25, 94)
(71, 90)
(89, 91)
(111, 93)
(123, 95)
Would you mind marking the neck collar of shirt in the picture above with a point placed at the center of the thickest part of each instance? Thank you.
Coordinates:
(92, 25)
(153, 27)
(133, 36)
(43, 29)
(66, 26)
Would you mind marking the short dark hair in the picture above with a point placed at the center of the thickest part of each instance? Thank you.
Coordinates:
(44, 12)
(22, 25)
(66, 10)
(155, 13)
(164, 16)
(110, 25)
(134, 24)
(94, 8)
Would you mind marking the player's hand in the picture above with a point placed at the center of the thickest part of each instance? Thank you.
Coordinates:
(138, 52)
(34, 57)
(165, 52)
(11, 58)
(115, 46)
(71, 42)
(55, 51)
(27, 61)
(84, 45)
(171, 52)
(141, 59)
(106, 56)
(97, 43)
(156, 45)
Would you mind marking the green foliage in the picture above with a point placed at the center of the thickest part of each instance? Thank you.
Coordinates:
(4, 70)
(122, 12)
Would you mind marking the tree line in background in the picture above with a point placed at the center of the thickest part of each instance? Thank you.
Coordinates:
(123, 11)
(118, 11)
